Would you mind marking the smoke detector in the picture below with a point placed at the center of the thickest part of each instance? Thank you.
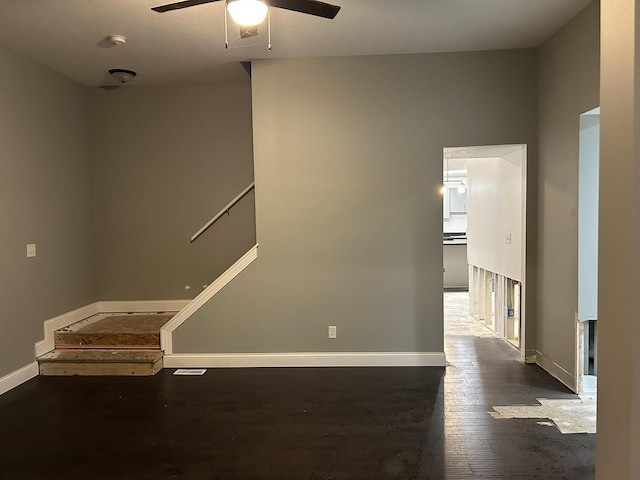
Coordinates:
(117, 39)
(122, 75)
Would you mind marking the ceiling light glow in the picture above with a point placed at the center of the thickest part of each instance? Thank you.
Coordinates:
(247, 12)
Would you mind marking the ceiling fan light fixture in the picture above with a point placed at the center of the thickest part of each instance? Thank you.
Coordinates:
(247, 12)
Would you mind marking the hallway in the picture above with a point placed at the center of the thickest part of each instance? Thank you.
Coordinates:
(484, 371)
(376, 423)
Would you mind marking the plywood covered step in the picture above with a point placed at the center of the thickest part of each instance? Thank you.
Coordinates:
(114, 331)
(100, 362)
(108, 344)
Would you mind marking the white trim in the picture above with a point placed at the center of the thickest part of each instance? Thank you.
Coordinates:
(579, 372)
(166, 332)
(556, 371)
(306, 359)
(18, 377)
(142, 306)
(523, 246)
(61, 321)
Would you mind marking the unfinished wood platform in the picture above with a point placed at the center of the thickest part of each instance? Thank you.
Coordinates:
(137, 331)
(101, 362)
(108, 344)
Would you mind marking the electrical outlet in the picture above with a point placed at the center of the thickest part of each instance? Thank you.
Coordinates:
(332, 331)
(507, 238)
(31, 250)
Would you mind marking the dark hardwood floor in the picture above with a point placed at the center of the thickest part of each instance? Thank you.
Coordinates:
(294, 423)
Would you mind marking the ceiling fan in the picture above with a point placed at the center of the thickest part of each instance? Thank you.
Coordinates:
(310, 7)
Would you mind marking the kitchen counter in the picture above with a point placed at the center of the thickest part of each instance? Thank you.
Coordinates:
(454, 238)
(454, 241)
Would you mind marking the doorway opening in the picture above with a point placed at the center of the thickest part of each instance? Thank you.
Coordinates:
(484, 234)
(587, 315)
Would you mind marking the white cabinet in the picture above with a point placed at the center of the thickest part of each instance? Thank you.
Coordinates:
(457, 200)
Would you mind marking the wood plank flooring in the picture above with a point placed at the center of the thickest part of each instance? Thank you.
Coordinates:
(294, 423)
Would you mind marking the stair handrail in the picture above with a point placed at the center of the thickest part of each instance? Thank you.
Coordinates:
(222, 212)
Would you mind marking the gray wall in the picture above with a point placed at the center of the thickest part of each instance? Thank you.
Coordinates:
(348, 162)
(165, 160)
(110, 186)
(619, 236)
(44, 199)
(568, 86)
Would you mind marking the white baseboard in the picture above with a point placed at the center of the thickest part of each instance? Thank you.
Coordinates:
(306, 359)
(555, 370)
(166, 333)
(18, 377)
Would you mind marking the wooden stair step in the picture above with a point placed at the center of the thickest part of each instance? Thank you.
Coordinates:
(100, 362)
(107, 341)
(137, 331)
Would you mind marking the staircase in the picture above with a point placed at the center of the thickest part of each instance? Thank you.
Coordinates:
(108, 344)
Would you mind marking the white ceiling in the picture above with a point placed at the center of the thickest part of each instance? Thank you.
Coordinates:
(187, 46)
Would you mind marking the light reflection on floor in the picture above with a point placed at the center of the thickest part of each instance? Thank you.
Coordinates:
(457, 320)
(568, 415)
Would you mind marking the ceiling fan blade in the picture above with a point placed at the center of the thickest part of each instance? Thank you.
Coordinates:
(179, 5)
(311, 7)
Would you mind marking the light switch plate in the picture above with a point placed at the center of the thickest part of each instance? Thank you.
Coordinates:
(31, 250)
